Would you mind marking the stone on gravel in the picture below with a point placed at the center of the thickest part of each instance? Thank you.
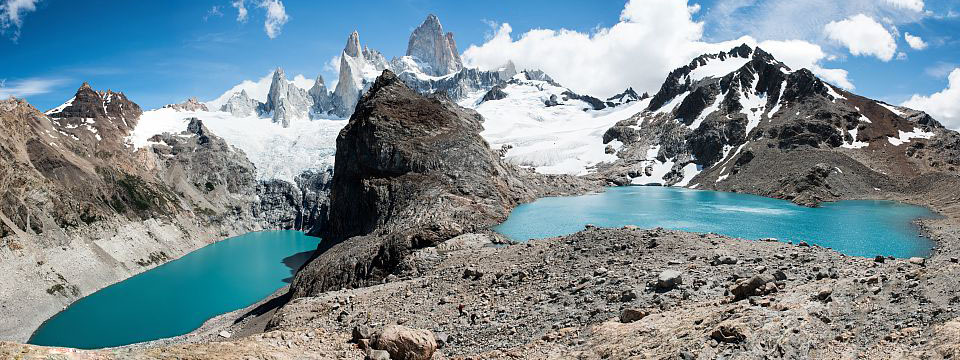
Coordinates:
(377, 355)
(631, 315)
(360, 332)
(917, 261)
(824, 294)
(754, 286)
(669, 279)
(405, 343)
(728, 332)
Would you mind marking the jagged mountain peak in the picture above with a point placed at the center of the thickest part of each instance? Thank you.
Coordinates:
(435, 50)
(192, 104)
(353, 44)
(88, 103)
(720, 104)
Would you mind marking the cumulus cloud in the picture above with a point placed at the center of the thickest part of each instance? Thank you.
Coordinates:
(944, 105)
(27, 87)
(12, 13)
(241, 10)
(651, 38)
(792, 19)
(862, 35)
(913, 5)
(915, 42)
(276, 17)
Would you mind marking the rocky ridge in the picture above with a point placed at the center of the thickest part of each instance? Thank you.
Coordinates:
(83, 209)
(719, 122)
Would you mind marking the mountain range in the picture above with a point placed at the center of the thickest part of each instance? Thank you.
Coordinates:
(412, 158)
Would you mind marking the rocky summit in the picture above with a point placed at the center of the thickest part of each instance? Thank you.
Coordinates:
(721, 121)
(436, 50)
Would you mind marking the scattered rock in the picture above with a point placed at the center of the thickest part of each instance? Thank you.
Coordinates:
(755, 286)
(360, 332)
(918, 261)
(728, 332)
(669, 279)
(225, 334)
(442, 339)
(723, 260)
(377, 355)
(472, 273)
(630, 315)
(824, 294)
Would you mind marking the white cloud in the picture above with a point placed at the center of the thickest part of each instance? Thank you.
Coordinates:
(333, 65)
(213, 12)
(944, 105)
(915, 42)
(799, 54)
(11, 15)
(27, 87)
(913, 5)
(863, 35)
(241, 10)
(652, 38)
(792, 19)
(276, 17)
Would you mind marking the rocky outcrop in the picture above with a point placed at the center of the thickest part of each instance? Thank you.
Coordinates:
(709, 128)
(192, 104)
(435, 51)
(322, 98)
(411, 172)
(355, 64)
(285, 101)
(302, 205)
(457, 86)
(241, 105)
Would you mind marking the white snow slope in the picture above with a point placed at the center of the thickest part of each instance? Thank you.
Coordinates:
(277, 152)
(562, 139)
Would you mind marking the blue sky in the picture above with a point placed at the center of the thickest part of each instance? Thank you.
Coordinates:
(160, 52)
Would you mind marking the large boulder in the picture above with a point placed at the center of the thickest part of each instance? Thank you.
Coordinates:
(405, 343)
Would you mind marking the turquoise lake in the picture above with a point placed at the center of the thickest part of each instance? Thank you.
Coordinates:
(854, 227)
(177, 297)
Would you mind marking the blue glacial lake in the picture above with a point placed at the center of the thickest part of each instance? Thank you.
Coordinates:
(853, 227)
(177, 297)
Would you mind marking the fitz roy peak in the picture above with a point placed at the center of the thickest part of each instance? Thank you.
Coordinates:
(435, 51)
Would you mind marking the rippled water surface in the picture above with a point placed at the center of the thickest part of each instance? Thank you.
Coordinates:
(854, 227)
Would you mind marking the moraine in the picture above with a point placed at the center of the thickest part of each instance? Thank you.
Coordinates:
(179, 296)
(852, 227)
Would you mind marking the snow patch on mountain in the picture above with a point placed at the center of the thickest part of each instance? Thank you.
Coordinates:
(561, 138)
(905, 137)
(717, 68)
(277, 152)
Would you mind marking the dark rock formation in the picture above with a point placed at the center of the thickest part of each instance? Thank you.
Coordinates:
(411, 172)
(764, 118)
